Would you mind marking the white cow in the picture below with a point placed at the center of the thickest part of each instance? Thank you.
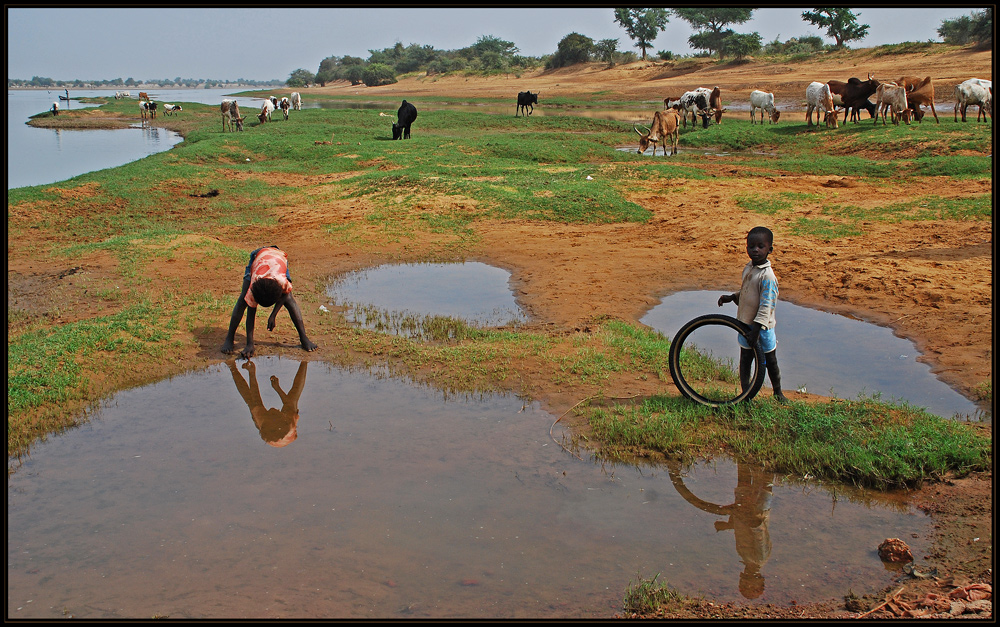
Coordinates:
(975, 91)
(892, 97)
(296, 101)
(169, 109)
(763, 101)
(265, 111)
(819, 98)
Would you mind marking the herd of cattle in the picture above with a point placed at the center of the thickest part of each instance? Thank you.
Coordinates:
(903, 99)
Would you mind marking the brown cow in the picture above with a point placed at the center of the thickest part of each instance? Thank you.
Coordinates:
(919, 93)
(854, 95)
(665, 127)
(715, 103)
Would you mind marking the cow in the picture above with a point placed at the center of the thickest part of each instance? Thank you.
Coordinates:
(665, 127)
(919, 92)
(147, 108)
(892, 97)
(274, 102)
(296, 101)
(854, 95)
(765, 102)
(405, 116)
(169, 109)
(974, 92)
(819, 98)
(715, 103)
(525, 102)
(231, 115)
(697, 102)
(265, 111)
(285, 106)
(143, 95)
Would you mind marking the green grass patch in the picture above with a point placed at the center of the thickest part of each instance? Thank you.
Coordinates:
(866, 442)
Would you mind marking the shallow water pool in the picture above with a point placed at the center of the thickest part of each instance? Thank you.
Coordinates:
(826, 354)
(189, 499)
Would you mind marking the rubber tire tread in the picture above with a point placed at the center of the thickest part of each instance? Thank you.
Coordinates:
(677, 343)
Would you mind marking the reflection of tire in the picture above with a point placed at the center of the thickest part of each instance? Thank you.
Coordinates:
(677, 343)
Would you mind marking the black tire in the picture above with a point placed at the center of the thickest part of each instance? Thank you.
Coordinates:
(675, 360)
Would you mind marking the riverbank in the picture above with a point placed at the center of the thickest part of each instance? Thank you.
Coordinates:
(928, 280)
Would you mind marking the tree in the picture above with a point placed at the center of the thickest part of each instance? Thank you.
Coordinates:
(840, 24)
(605, 50)
(378, 74)
(300, 78)
(489, 43)
(642, 25)
(976, 28)
(741, 45)
(574, 48)
(710, 25)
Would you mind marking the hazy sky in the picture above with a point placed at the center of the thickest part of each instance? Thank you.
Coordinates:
(262, 43)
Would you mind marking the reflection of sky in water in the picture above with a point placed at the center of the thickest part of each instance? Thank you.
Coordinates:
(825, 352)
(471, 291)
(396, 502)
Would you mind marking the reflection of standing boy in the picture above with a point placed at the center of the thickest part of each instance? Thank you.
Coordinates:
(756, 302)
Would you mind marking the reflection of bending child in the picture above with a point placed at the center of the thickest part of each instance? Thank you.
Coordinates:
(277, 427)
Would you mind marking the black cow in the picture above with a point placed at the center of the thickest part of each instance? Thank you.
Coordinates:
(404, 118)
(854, 95)
(526, 101)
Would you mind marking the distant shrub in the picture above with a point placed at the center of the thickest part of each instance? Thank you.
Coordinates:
(666, 55)
(378, 74)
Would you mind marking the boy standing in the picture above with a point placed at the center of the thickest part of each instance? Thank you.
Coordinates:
(755, 303)
(266, 282)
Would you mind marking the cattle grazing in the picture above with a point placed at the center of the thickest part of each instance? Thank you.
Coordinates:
(526, 102)
(122, 94)
(143, 95)
(697, 102)
(665, 127)
(285, 106)
(296, 101)
(147, 108)
(853, 96)
(55, 108)
(274, 102)
(231, 115)
(169, 109)
(265, 111)
(763, 101)
(919, 92)
(405, 116)
(819, 98)
(977, 92)
(715, 103)
(892, 97)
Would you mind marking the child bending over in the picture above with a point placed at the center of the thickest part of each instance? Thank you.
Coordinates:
(266, 282)
(755, 303)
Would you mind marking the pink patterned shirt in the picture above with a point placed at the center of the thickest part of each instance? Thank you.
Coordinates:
(270, 263)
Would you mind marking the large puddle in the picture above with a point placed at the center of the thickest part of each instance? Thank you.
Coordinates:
(396, 298)
(824, 353)
(188, 499)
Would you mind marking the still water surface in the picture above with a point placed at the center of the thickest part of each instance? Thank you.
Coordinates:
(189, 499)
(824, 353)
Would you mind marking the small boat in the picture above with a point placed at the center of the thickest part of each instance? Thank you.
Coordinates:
(63, 97)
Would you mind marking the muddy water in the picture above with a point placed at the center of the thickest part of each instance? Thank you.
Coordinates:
(188, 499)
(827, 354)
(472, 291)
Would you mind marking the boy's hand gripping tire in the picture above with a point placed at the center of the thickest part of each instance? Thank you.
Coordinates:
(677, 344)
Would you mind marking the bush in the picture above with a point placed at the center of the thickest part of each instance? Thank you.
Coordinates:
(665, 55)
(574, 48)
(378, 74)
